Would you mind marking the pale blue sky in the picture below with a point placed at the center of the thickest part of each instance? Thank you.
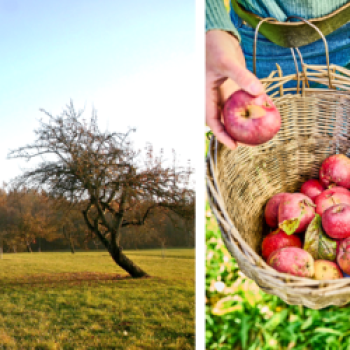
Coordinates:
(134, 61)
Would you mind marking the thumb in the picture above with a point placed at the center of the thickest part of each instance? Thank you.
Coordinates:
(245, 79)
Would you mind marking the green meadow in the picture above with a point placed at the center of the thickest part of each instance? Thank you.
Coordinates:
(84, 301)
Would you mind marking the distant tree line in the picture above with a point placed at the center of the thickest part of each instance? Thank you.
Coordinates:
(31, 220)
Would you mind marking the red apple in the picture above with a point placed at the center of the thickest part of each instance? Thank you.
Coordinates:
(335, 170)
(312, 188)
(343, 257)
(249, 119)
(295, 261)
(294, 208)
(330, 197)
(338, 189)
(271, 210)
(276, 240)
(336, 221)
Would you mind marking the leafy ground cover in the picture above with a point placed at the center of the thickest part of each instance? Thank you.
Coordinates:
(240, 316)
(83, 301)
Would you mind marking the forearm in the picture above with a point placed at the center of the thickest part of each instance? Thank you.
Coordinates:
(218, 18)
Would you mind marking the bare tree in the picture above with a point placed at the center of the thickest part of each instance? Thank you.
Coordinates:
(103, 173)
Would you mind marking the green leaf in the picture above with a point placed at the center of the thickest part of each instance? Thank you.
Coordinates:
(244, 331)
(289, 226)
(327, 330)
(307, 323)
(275, 320)
(317, 243)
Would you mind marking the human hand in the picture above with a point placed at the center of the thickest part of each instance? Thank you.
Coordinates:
(225, 72)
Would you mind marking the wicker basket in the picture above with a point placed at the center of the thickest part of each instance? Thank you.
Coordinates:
(315, 125)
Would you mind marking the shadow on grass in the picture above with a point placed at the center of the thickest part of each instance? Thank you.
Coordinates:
(160, 256)
(77, 277)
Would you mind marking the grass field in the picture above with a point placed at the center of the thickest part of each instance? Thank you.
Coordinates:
(240, 316)
(84, 301)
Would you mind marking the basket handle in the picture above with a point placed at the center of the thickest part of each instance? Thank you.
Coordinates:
(267, 19)
(292, 49)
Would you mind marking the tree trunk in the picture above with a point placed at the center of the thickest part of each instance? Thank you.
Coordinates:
(163, 247)
(71, 244)
(2, 246)
(68, 236)
(125, 263)
(29, 248)
(114, 249)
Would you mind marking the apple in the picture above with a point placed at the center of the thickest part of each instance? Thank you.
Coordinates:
(336, 221)
(327, 270)
(312, 188)
(271, 209)
(295, 213)
(330, 197)
(249, 119)
(293, 260)
(335, 170)
(343, 257)
(278, 239)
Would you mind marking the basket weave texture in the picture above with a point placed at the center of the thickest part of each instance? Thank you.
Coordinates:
(315, 125)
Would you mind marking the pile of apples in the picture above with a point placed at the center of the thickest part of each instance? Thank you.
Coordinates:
(311, 229)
